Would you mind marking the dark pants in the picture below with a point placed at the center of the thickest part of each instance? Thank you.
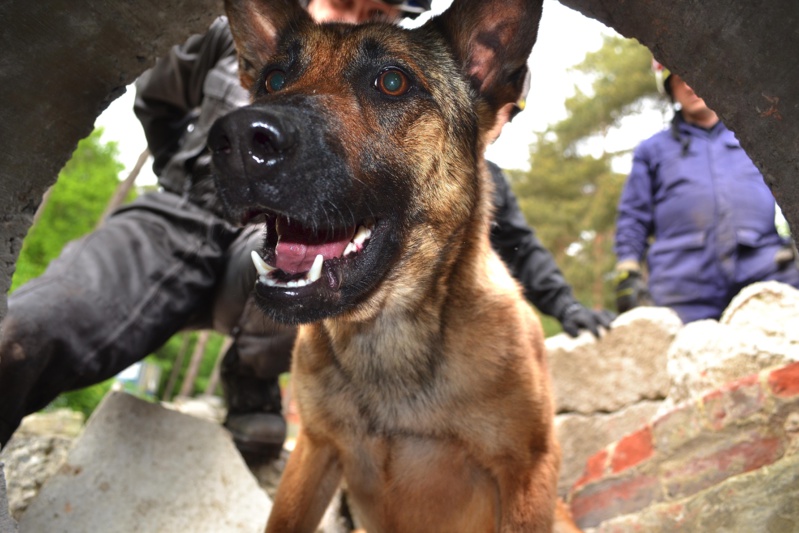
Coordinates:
(155, 267)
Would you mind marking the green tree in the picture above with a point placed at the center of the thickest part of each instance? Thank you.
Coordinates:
(73, 207)
(622, 81)
(570, 197)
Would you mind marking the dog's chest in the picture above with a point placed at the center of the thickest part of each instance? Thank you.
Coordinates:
(382, 403)
(408, 483)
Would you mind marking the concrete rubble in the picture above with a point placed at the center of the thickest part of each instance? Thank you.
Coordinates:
(663, 428)
(676, 456)
(140, 468)
(7, 524)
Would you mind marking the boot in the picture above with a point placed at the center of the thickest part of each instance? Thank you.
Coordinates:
(254, 418)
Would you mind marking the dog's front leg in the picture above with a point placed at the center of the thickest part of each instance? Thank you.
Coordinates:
(309, 481)
(528, 496)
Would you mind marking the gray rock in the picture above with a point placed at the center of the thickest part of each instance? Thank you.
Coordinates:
(56, 423)
(31, 460)
(7, 524)
(707, 354)
(140, 468)
(769, 308)
(626, 366)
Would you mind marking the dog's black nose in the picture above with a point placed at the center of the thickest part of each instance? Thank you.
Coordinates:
(248, 140)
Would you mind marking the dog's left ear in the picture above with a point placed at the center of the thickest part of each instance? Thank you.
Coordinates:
(493, 39)
(256, 26)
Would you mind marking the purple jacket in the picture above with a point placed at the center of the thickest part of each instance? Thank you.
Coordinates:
(710, 213)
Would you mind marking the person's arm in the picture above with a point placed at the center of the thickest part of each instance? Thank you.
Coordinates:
(534, 266)
(634, 222)
(634, 225)
(168, 95)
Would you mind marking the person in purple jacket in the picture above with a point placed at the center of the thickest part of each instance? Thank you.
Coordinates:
(697, 209)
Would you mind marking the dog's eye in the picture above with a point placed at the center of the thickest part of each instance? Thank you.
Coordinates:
(392, 82)
(275, 81)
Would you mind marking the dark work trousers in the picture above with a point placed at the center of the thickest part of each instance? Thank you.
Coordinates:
(157, 266)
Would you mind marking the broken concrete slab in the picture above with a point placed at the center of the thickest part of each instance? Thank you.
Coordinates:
(626, 366)
(139, 467)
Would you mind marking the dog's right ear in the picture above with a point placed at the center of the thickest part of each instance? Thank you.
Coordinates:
(256, 26)
(493, 39)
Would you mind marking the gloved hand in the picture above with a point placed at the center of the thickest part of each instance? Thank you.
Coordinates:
(785, 256)
(577, 317)
(631, 290)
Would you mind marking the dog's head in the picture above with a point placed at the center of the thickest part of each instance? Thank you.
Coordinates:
(363, 145)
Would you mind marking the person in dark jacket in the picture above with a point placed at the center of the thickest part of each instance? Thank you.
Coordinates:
(694, 190)
(166, 262)
(528, 260)
(171, 261)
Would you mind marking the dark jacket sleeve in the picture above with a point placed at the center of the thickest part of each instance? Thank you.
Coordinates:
(528, 260)
(169, 94)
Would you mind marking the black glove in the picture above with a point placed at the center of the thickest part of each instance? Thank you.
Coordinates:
(577, 317)
(631, 290)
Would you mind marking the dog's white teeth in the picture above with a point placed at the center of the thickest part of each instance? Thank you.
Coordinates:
(316, 269)
(260, 265)
(265, 270)
(362, 236)
(359, 241)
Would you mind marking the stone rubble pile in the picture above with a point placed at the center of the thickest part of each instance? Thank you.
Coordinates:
(664, 427)
(648, 456)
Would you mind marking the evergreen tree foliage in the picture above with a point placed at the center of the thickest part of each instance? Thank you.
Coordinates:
(570, 198)
(622, 80)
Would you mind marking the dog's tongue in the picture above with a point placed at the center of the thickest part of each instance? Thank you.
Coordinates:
(297, 247)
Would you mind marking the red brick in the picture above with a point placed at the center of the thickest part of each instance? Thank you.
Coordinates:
(594, 468)
(632, 449)
(784, 382)
(614, 497)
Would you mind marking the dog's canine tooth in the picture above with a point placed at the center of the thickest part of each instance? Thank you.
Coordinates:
(362, 235)
(316, 269)
(356, 245)
(260, 265)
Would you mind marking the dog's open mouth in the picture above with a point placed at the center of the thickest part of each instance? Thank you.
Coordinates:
(296, 256)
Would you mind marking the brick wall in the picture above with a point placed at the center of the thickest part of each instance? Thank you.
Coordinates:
(741, 427)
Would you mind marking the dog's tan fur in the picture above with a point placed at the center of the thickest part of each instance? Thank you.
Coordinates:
(430, 395)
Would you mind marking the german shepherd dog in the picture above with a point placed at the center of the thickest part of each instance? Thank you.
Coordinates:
(419, 368)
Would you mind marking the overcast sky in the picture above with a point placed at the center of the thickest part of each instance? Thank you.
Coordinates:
(565, 36)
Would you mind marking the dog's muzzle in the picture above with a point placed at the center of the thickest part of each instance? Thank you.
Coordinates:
(248, 141)
(328, 239)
